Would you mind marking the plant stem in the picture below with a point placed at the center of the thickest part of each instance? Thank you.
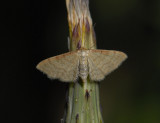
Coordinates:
(83, 104)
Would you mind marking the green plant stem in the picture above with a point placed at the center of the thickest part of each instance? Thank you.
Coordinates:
(84, 107)
(83, 104)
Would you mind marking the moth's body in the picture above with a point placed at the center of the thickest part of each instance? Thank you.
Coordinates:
(82, 63)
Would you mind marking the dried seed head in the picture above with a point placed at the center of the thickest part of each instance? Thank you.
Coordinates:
(87, 26)
(75, 33)
(80, 23)
(79, 44)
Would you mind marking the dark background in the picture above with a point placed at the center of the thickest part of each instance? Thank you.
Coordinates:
(38, 29)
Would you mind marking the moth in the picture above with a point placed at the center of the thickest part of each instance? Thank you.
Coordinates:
(83, 63)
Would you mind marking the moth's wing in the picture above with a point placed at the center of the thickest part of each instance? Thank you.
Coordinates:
(102, 62)
(63, 67)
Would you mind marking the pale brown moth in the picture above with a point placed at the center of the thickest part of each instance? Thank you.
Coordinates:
(82, 63)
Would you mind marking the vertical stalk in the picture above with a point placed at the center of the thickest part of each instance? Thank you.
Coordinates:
(83, 104)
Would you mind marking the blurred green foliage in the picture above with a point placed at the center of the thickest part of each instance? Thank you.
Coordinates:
(131, 94)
